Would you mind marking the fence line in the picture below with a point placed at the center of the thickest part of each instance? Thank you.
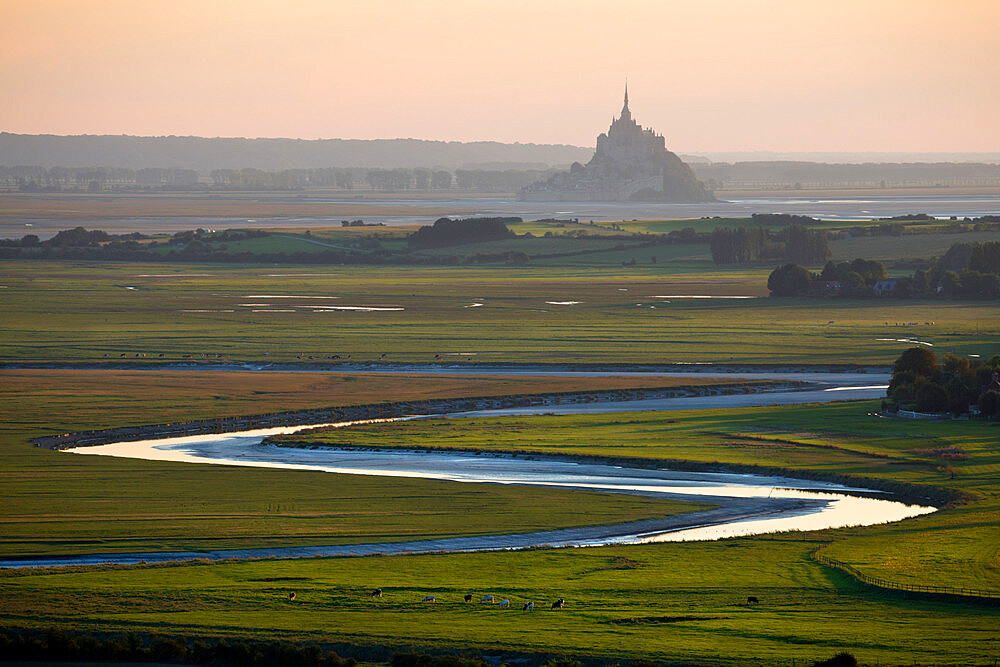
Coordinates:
(877, 582)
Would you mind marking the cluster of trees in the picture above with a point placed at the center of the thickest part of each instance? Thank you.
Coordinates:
(856, 278)
(966, 271)
(342, 178)
(448, 232)
(744, 245)
(54, 179)
(78, 237)
(919, 382)
(388, 180)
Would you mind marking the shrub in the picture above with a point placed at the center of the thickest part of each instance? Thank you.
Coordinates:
(844, 659)
(932, 398)
(989, 403)
(789, 280)
(918, 360)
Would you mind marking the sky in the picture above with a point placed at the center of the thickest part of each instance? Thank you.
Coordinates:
(710, 75)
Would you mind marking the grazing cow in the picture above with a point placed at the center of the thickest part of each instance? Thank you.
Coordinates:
(752, 600)
(528, 606)
(504, 604)
(487, 598)
(376, 593)
(559, 604)
(428, 598)
(468, 597)
(291, 596)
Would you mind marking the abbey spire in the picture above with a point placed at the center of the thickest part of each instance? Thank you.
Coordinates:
(631, 162)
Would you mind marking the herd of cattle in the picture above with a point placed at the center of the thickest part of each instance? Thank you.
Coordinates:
(491, 599)
(486, 599)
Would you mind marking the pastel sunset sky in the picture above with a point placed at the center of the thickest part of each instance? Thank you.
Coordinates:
(711, 75)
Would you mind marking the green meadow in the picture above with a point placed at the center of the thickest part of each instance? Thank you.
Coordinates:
(672, 602)
(677, 603)
(75, 312)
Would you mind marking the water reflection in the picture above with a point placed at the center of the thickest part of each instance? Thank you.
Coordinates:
(748, 504)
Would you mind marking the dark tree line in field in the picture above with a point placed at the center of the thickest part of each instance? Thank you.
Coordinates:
(97, 179)
(966, 271)
(855, 279)
(745, 245)
(448, 232)
(211, 247)
(40, 179)
(956, 385)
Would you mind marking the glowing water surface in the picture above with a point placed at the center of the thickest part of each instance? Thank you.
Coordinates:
(748, 504)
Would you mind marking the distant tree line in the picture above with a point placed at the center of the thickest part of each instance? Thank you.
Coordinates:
(956, 385)
(54, 179)
(967, 270)
(448, 232)
(745, 245)
(94, 179)
(211, 247)
(854, 279)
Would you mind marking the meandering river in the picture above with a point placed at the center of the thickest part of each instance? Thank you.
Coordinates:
(746, 504)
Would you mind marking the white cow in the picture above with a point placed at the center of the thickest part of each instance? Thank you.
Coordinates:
(504, 604)
(428, 598)
(487, 598)
(528, 606)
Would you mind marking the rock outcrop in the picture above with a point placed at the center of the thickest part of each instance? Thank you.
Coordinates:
(631, 163)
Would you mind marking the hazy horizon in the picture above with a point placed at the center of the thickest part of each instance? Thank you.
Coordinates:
(774, 76)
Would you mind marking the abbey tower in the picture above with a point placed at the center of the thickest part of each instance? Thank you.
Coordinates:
(631, 162)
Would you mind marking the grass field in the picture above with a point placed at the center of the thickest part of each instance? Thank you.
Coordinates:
(681, 602)
(677, 603)
(74, 312)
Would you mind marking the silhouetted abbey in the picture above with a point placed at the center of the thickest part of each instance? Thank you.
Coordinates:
(631, 162)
